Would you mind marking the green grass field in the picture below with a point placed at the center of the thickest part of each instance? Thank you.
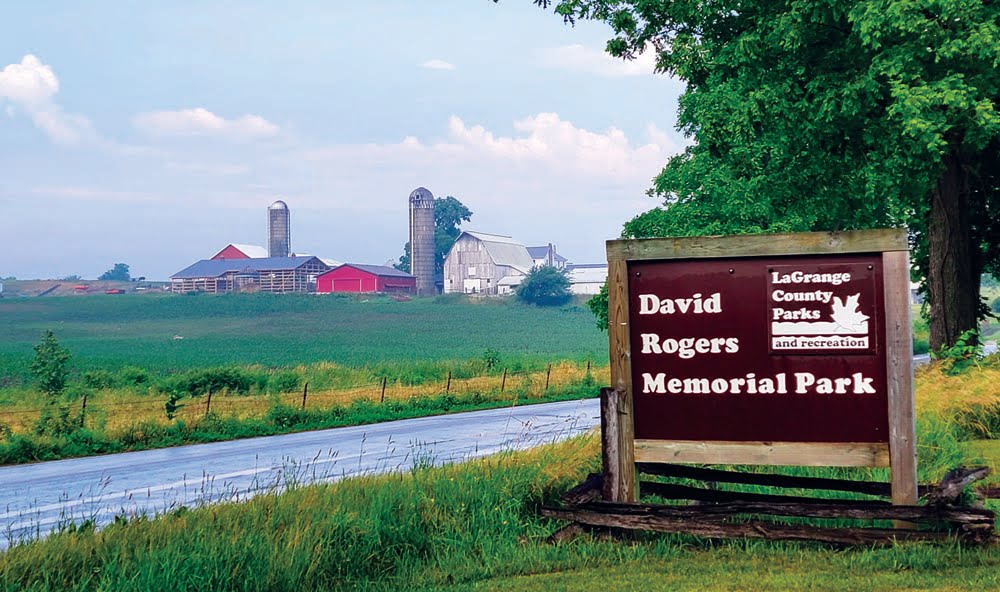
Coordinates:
(169, 333)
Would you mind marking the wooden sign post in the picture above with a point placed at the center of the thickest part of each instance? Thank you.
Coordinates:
(787, 349)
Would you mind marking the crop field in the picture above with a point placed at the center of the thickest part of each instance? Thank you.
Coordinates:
(149, 371)
(170, 333)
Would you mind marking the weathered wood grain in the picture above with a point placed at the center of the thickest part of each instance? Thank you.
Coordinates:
(755, 245)
(899, 375)
(769, 479)
(623, 488)
(816, 454)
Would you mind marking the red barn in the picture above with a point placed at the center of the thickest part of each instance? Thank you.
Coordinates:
(352, 277)
(237, 251)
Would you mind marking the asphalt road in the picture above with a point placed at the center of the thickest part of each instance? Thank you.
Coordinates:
(34, 499)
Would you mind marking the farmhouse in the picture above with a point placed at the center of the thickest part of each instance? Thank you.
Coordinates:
(478, 261)
(546, 255)
(354, 277)
(270, 274)
(238, 251)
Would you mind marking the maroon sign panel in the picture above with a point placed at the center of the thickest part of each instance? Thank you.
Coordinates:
(780, 349)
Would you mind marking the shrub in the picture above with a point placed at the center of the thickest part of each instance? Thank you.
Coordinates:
(286, 416)
(133, 376)
(98, 379)
(56, 420)
(201, 382)
(491, 359)
(284, 382)
(545, 286)
(50, 365)
(5, 431)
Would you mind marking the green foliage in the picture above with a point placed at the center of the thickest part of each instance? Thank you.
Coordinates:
(56, 420)
(449, 213)
(963, 354)
(284, 381)
(50, 365)
(545, 285)
(5, 431)
(118, 273)
(133, 376)
(598, 306)
(213, 380)
(491, 359)
(995, 305)
(99, 379)
(826, 115)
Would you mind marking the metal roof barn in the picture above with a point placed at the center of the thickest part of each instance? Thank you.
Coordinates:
(357, 278)
(271, 274)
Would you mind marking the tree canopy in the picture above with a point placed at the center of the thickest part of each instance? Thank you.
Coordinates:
(545, 285)
(449, 213)
(118, 273)
(831, 115)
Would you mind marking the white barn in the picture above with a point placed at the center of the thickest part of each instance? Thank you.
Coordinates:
(482, 263)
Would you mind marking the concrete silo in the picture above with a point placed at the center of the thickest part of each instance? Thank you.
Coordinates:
(279, 231)
(422, 240)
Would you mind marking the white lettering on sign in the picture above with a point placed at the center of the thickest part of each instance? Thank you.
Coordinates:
(688, 347)
(697, 304)
(800, 277)
(751, 384)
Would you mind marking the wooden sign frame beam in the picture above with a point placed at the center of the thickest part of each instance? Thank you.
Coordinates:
(622, 450)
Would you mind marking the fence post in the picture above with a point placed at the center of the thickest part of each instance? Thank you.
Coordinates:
(588, 366)
(503, 381)
(305, 391)
(382, 400)
(447, 389)
(208, 404)
(83, 410)
(548, 373)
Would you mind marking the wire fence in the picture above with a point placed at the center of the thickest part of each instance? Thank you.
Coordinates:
(115, 411)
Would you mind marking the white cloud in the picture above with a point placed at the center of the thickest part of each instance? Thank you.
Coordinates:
(594, 61)
(437, 64)
(202, 122)
(32, 85)
(29, 82)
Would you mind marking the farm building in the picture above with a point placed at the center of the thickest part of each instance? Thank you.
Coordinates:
(587, 278)
(270, 274)
(478, 261)
(238, 251)
(353, 277)
(546, 255)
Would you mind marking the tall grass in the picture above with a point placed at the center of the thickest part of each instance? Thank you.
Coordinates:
(449, 528)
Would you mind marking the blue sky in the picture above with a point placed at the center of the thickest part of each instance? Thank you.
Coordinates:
(155, 135)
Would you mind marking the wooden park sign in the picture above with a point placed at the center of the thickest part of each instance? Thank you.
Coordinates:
(789, 349)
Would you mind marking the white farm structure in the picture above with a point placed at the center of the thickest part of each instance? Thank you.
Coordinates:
(481, 263)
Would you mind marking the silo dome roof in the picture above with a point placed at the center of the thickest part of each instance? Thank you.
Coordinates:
(278, 205)
(421, 194)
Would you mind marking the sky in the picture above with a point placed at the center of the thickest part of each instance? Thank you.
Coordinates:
(156, 133)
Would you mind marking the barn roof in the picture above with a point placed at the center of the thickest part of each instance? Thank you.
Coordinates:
(543, 253)
(504, 250)
(379, 270)
(210, 268)
(251, 251)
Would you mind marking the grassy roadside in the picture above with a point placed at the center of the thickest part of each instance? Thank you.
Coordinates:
(473, 526)
(279, 417)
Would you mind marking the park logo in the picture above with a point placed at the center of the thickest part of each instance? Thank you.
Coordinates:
(820, 311)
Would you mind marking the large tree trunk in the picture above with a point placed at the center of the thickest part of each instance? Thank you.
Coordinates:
(953, 277)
